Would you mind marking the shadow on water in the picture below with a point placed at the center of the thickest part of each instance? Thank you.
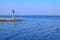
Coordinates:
(13, 26)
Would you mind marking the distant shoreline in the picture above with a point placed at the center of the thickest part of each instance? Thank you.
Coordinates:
(33, 15)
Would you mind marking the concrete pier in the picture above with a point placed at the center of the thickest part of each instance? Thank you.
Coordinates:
(9, 19)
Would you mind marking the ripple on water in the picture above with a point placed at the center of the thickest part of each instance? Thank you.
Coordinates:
(40, 30)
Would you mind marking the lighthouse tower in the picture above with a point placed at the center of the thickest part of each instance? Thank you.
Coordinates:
(13, 14)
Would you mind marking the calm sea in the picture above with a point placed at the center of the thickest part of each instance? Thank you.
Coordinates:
(31, 28)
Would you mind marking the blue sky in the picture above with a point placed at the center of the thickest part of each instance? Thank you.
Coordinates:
(30, 7)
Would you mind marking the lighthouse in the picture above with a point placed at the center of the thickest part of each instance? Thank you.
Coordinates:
(10, 19)
(13, 14)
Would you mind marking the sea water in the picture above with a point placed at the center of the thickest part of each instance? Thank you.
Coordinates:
(31, 28)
